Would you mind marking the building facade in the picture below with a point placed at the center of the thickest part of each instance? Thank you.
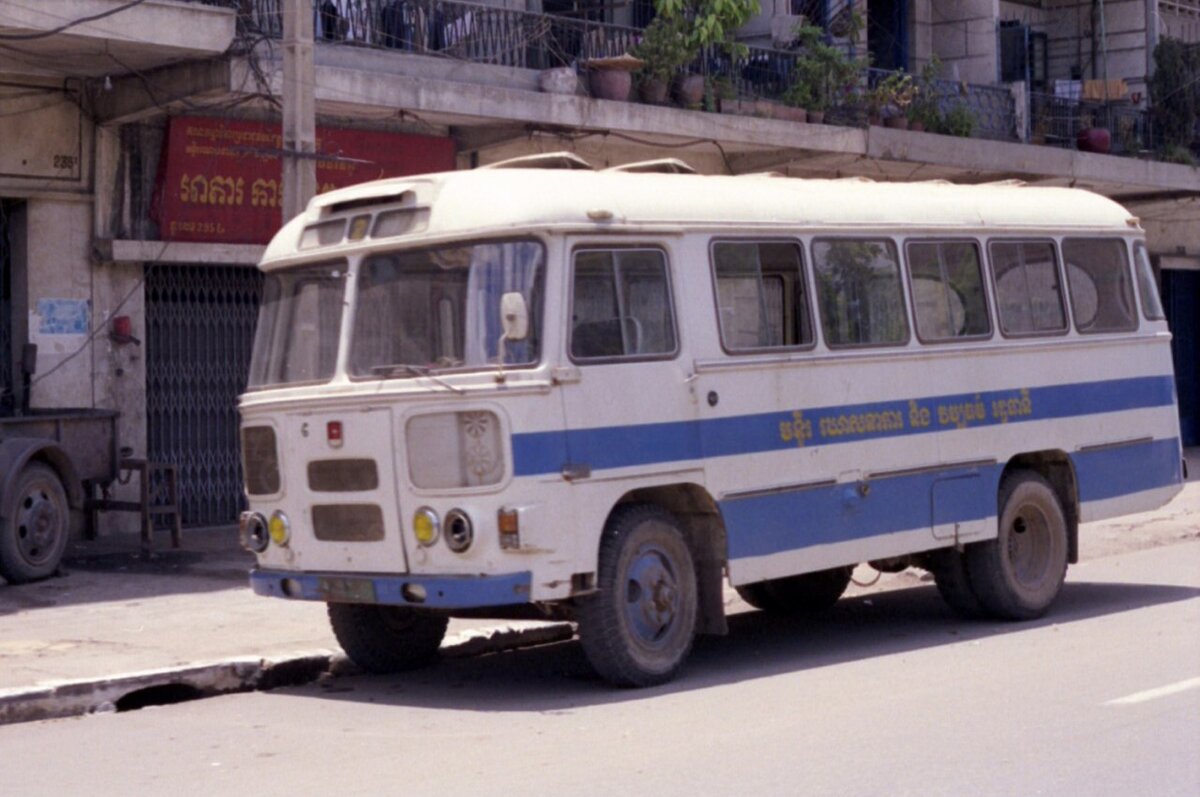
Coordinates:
(140, 171)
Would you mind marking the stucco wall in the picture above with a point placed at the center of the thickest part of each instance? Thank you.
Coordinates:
(963, 36)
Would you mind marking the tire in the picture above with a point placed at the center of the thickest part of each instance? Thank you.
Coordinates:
(386, 639)
(798, 595)
(759, 596)
(637, 628)
(1017, 575)
(36, 526)
(949, 569)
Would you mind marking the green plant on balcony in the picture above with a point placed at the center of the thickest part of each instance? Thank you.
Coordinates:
(1175, 98)
(958, 121)
(890, 98)
(666, 49)
(712, 22)
(924, 112)
(823, 75)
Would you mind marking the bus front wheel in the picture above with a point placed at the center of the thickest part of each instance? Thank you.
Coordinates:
(1018, 574)
(386, 639)
(637, 628)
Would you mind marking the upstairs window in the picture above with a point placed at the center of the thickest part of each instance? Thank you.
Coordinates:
(621, 305)
(858, 288)
(1028, 294)
(1099, 283)
(761, 296)
(947, 288)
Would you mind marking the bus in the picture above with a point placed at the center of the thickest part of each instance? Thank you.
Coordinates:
(542, 390)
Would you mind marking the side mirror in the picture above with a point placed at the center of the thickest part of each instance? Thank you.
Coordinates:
(514, 316)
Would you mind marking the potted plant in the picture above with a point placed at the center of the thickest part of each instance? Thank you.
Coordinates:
(958, 121)
(889, 99)
(823, 74)
(707, 24)
(612, 78)
(924, 112)
(665, 50)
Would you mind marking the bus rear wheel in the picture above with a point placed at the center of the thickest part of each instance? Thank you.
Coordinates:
(386, 639)
(796, 595)
(1018, 575)
(638, 627)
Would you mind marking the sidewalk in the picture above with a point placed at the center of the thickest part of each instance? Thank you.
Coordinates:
(114, 614)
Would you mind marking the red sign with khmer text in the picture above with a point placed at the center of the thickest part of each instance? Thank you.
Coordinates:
(220, 179)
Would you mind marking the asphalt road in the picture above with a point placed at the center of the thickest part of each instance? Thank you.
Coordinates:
(887, 694)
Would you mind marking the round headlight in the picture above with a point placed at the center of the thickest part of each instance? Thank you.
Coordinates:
(460, 531)
(426, 526)
(280, 528)
(254, 532)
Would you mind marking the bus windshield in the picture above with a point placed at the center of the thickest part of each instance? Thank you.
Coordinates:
(440, 308)
(298, 326)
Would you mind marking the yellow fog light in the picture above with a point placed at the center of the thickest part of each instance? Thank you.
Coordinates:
(279, 528)
(426, 526)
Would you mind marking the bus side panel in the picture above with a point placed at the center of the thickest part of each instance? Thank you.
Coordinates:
(1120, 480)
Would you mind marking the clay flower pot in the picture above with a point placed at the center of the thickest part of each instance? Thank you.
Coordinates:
(610, 84)
(1094, 139)
(654, 91)
(689, 90)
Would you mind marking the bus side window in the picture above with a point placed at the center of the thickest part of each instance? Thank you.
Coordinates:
(858, 288)
(1147, 285)
(761, 295)
(621, 305)
(1028, 295)
(1099, 284)
(947, 287)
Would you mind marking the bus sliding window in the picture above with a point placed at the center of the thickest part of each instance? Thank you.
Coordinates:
(858, 287)
(1099, 283)
(761, 295)
(1028, 294)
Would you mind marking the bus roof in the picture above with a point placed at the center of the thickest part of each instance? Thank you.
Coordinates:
(491, 201)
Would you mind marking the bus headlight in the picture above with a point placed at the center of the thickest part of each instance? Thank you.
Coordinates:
(426, 526)
(460, 531)
(253, 532)
(280, 528)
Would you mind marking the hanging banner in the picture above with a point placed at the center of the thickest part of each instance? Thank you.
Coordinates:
(219, 181)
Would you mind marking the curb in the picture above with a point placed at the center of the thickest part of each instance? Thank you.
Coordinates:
(168, 685)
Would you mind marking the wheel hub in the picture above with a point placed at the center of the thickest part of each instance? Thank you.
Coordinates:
(37, 526)
(652, 596)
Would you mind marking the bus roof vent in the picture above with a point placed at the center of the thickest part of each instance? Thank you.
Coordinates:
(657, 166)
(548, 160)
(402, 194)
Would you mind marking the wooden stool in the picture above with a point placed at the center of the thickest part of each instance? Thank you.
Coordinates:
(163, 500)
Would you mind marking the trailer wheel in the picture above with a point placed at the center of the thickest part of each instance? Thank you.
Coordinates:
(35, 527)
(798, 595)
(386, 639)
(637, 628)
(1017, 575)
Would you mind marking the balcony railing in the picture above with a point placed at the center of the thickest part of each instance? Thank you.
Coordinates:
(491, 35)
(1057, 121)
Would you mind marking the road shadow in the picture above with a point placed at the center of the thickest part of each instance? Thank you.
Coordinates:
(114, 569)
(557, 678)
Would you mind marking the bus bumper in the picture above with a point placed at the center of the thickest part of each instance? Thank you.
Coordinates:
(426, 591)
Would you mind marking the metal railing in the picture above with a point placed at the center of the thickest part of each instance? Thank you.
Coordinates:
(991, 109)
(1056, 121)
(492, 35)
(467, 31)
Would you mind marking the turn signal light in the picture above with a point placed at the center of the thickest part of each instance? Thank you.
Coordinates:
(509, 523)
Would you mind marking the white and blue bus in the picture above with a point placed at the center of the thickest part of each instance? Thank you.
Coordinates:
(541, 390)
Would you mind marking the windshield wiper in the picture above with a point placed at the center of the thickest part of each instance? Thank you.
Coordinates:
(408, 369)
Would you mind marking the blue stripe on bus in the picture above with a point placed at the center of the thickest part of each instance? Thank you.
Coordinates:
(646, 444)
(786, 521)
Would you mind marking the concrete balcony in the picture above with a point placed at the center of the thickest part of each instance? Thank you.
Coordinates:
(95, 38)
